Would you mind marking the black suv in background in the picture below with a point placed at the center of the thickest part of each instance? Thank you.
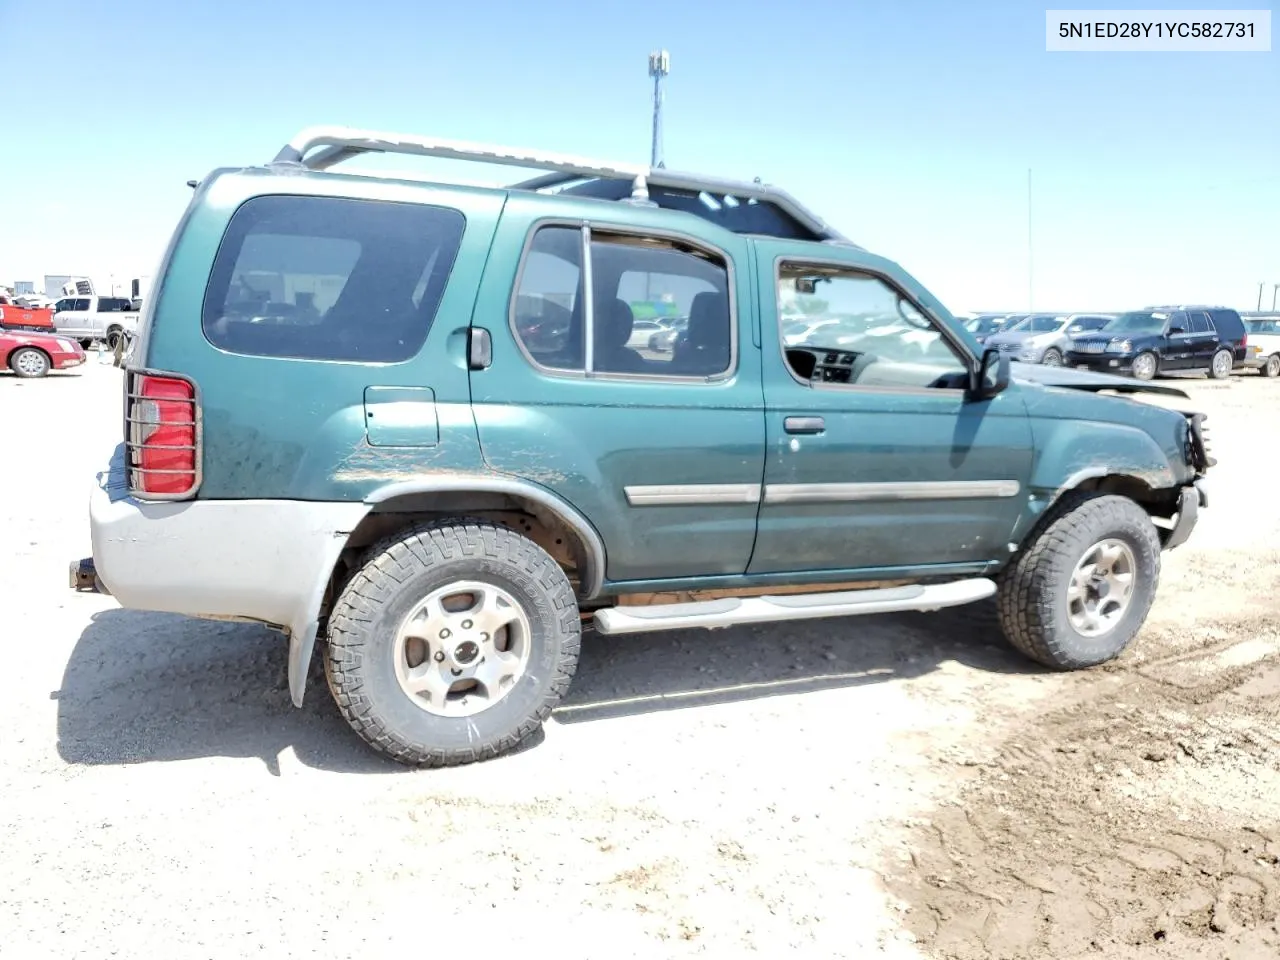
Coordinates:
(1165, 339)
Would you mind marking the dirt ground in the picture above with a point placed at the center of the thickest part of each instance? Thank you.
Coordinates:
(894, 786)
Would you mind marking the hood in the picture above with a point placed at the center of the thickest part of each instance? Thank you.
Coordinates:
(1086, 380)
(1010, 336)
(1106, 336)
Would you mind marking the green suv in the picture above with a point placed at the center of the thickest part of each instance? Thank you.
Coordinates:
(415, 422)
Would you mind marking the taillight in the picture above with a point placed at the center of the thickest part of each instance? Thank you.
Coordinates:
(162, 436)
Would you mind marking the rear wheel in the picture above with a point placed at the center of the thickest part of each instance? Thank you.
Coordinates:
(1220, 366)
(1077, 593)
(114, 337)
(1145, 366)
(30, 362)
(1272, 367)
(1052, 357)
(452, 643)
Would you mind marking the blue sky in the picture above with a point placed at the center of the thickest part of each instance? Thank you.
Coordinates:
(909, 125)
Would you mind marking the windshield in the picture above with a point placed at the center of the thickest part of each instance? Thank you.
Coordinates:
(1138, 322)
(1263, 326)
(1039, 324)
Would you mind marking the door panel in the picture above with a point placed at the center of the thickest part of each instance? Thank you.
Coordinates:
(668, 470)
(881, 471)
(1203, 340)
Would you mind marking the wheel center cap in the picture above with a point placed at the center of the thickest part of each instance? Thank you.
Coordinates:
(466, 652)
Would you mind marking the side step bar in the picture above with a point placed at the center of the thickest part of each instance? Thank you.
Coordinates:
(731, 611)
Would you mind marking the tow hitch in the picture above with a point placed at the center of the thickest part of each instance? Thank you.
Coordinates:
(84, 577)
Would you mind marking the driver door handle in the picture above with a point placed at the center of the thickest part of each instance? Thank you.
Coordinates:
(804, 425)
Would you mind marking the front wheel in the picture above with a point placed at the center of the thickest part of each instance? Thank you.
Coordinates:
(1052, 358)
(1076, 595)
(1272, 367)
(1145, 366)
(30, 362)
(452, 643)
(1220, 366)
(114, 337)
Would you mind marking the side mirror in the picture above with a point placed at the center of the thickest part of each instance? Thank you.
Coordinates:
(1176, 329)
(992, 375)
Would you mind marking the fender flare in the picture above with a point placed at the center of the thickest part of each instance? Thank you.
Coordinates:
(302, 632)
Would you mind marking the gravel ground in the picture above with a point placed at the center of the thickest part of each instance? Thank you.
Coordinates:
(893, 786)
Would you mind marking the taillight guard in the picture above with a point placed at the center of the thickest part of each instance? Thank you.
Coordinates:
(163, 435)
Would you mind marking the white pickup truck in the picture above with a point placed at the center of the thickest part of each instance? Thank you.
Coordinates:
(95, 318)
(1263, 349)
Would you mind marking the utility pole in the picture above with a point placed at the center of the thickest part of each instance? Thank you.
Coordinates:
(1260, 286)
(1030, 280)
(659, 67)
(1274, 288)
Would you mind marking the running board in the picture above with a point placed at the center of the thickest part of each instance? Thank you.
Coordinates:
(732, 611)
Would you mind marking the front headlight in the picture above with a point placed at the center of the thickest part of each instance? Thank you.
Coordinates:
(1120, 346)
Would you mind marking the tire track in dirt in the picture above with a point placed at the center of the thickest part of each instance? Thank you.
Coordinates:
(1140, 821)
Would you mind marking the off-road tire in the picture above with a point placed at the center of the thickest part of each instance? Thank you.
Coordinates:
(1213, 365)
(1155, 366)
(1271, 368)
(1032, 589)
(27, 357)
(399, 572)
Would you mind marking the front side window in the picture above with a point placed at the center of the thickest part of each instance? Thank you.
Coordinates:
(64, 304)
(659, 308)
(862, 332)
(320, 278)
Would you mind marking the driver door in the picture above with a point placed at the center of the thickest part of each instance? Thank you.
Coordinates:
(875, 457)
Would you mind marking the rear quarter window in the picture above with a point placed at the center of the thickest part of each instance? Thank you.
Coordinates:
(1228, 324)
(320, 278)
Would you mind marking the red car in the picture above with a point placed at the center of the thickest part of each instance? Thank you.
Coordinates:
(31, 354)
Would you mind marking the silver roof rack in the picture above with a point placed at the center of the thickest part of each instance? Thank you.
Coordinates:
(319, 148)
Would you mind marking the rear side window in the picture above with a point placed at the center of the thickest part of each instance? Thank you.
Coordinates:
(1228, 324)
(658, 308)
(1198, 322)
(319, 278)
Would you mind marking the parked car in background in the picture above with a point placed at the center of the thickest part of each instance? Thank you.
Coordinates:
(17, 316)
(96, 318)
(664, 340)
(30, 354)
(1165, 339)
(1263, 348)
(641, 331)
(1045, 337)
(985, 324)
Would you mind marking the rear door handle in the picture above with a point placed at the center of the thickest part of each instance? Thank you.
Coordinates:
(804, 425)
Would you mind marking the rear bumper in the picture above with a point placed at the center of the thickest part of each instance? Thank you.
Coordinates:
(266, 560)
